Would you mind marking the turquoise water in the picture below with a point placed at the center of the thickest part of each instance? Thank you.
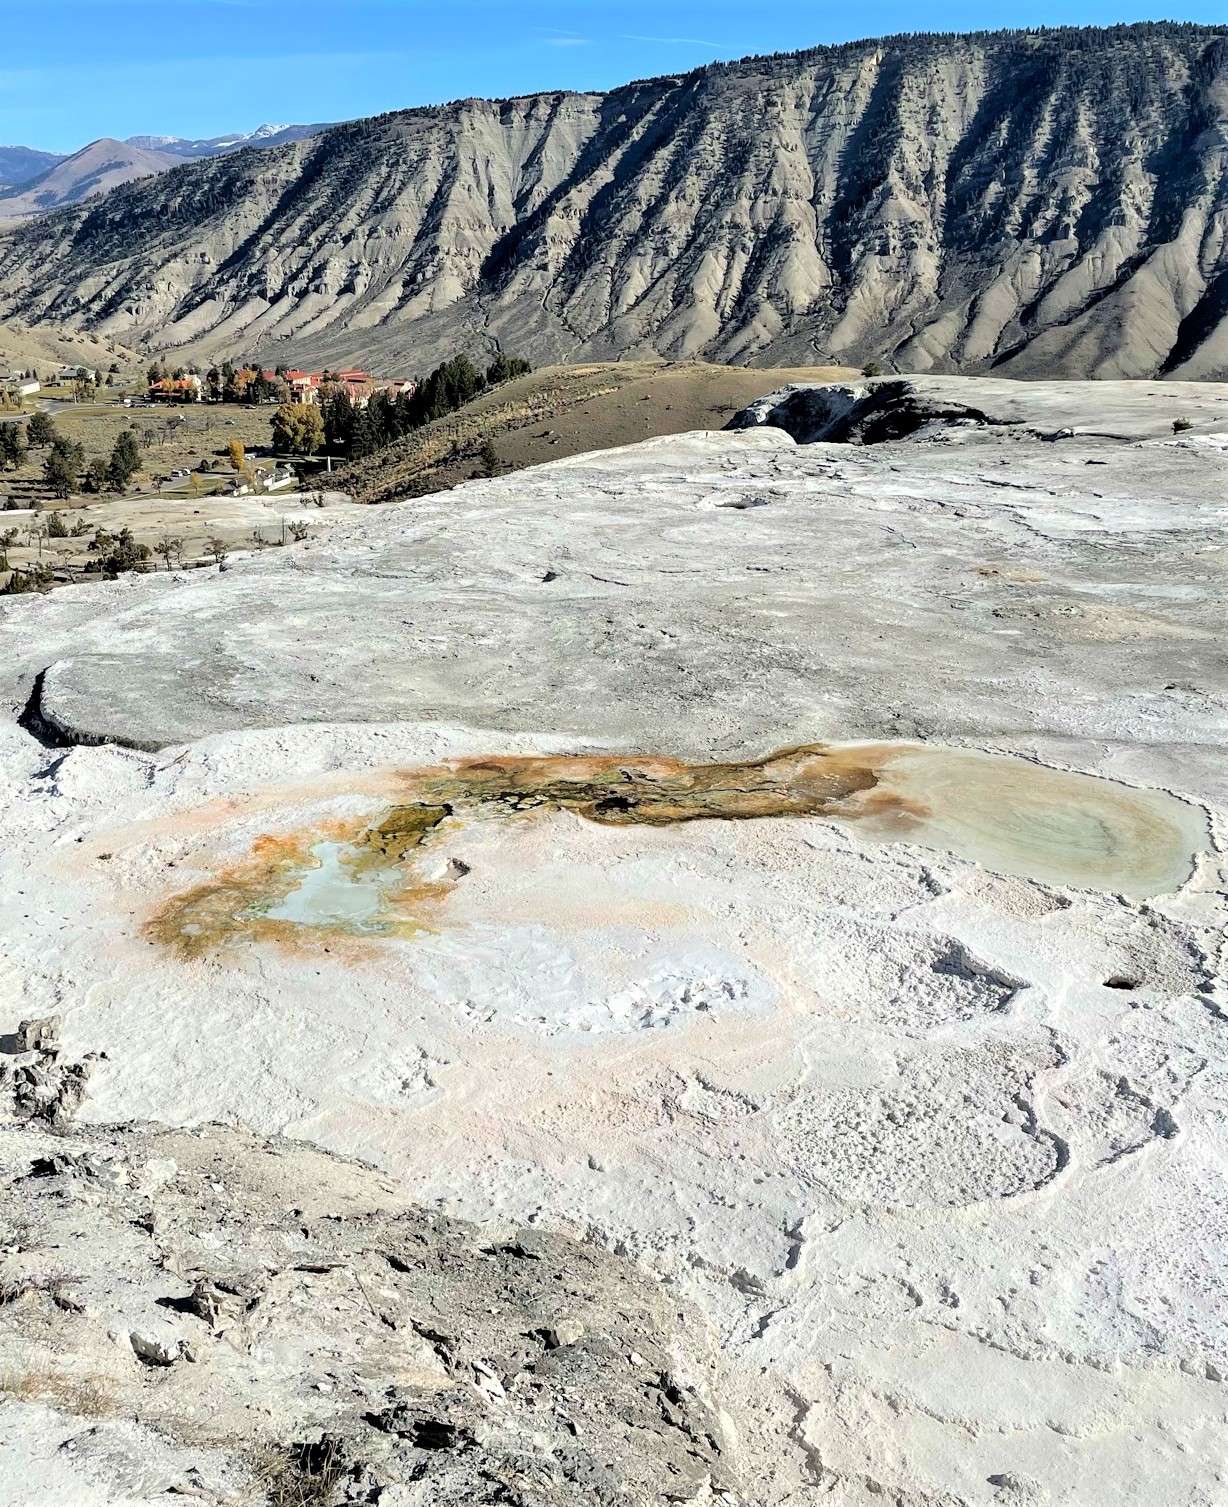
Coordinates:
(337, 893)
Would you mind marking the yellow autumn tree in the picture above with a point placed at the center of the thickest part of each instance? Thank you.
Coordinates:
(298, 429)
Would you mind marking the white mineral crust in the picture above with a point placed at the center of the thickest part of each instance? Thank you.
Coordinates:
(940, 1152)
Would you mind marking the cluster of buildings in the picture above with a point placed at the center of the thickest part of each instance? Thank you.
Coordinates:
(281, 386)
(189, 389)
(14, 386)
(306, 387)
(18, 385)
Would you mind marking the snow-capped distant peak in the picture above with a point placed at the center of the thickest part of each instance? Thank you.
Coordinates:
(184, 146)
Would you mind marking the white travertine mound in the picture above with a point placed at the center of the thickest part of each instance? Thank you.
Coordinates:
(938, 1150)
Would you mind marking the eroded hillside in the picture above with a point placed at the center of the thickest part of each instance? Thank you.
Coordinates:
(1046, 202)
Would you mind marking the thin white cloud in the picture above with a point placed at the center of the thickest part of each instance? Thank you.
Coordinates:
(628, 36)
(566, 41)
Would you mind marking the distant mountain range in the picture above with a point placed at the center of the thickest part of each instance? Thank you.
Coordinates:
(215, 146)
(1032, 203)
(33, 182)
(20, 164)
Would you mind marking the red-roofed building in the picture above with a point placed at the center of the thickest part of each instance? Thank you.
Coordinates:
(176, 390)
(358, 384)
(304, 386)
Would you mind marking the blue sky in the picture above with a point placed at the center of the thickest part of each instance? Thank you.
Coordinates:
(73, 70)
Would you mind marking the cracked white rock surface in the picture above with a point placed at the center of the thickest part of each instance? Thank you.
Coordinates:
(941, 1152)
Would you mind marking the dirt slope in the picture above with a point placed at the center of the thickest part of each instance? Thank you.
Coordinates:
(45, 350)
(567, 410)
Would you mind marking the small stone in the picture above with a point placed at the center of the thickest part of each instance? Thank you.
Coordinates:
(38, 1035)
(563, 1332)
(155, 1352)
(487, 1381)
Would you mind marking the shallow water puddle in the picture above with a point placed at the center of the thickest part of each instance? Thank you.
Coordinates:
(360, 879)
(335, 894)
(1051, 825)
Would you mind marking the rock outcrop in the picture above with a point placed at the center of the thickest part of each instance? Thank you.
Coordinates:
(1049, 202)
(872, 414)
(208, 1311)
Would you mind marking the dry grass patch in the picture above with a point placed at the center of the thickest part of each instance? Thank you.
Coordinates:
(88, 1396)
(300, 1475)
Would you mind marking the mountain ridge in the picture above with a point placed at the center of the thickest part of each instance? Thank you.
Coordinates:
(188, 148)
(102, 165)
(1040, 202)
(19, 164)
(40, 182)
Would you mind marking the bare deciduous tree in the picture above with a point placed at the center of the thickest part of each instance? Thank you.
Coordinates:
(169, 547)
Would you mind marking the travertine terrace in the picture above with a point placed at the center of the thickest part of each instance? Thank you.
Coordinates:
(894, 1115)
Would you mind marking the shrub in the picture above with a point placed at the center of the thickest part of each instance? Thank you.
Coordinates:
(1181, 425)
(33, 578)
(123, 553)
(489, 457)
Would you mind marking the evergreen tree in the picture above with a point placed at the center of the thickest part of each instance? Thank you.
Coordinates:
(122, 553)
(503, 368)
(41, 429)
(60, 474)
(340, 416)
(72, 452)
(365, 437)
(125, 461)
(12, 446)
(95, 478)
